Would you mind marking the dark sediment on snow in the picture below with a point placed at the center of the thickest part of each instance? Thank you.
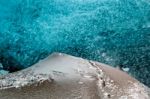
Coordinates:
(67, 77)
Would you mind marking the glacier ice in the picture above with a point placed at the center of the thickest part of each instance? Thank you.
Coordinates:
(115, 32)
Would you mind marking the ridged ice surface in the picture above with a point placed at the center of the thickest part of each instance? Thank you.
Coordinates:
(115, 32)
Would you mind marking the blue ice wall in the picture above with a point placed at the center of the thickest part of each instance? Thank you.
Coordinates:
(115, 32)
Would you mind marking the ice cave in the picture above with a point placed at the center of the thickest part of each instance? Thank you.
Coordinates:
(114, 32)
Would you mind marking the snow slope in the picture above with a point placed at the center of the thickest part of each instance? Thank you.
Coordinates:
(62, 76)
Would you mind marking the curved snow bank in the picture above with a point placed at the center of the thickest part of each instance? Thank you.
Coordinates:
(61, 76)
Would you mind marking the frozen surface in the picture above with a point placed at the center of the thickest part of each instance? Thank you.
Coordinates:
(115, 32)
(67, 77)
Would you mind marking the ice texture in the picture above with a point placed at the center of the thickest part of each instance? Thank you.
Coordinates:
(115, 32)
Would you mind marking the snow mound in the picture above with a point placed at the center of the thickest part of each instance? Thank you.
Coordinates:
(67, 77)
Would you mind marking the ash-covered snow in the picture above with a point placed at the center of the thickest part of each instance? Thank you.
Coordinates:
(21, 79)
(137, 91)
(77, 75)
